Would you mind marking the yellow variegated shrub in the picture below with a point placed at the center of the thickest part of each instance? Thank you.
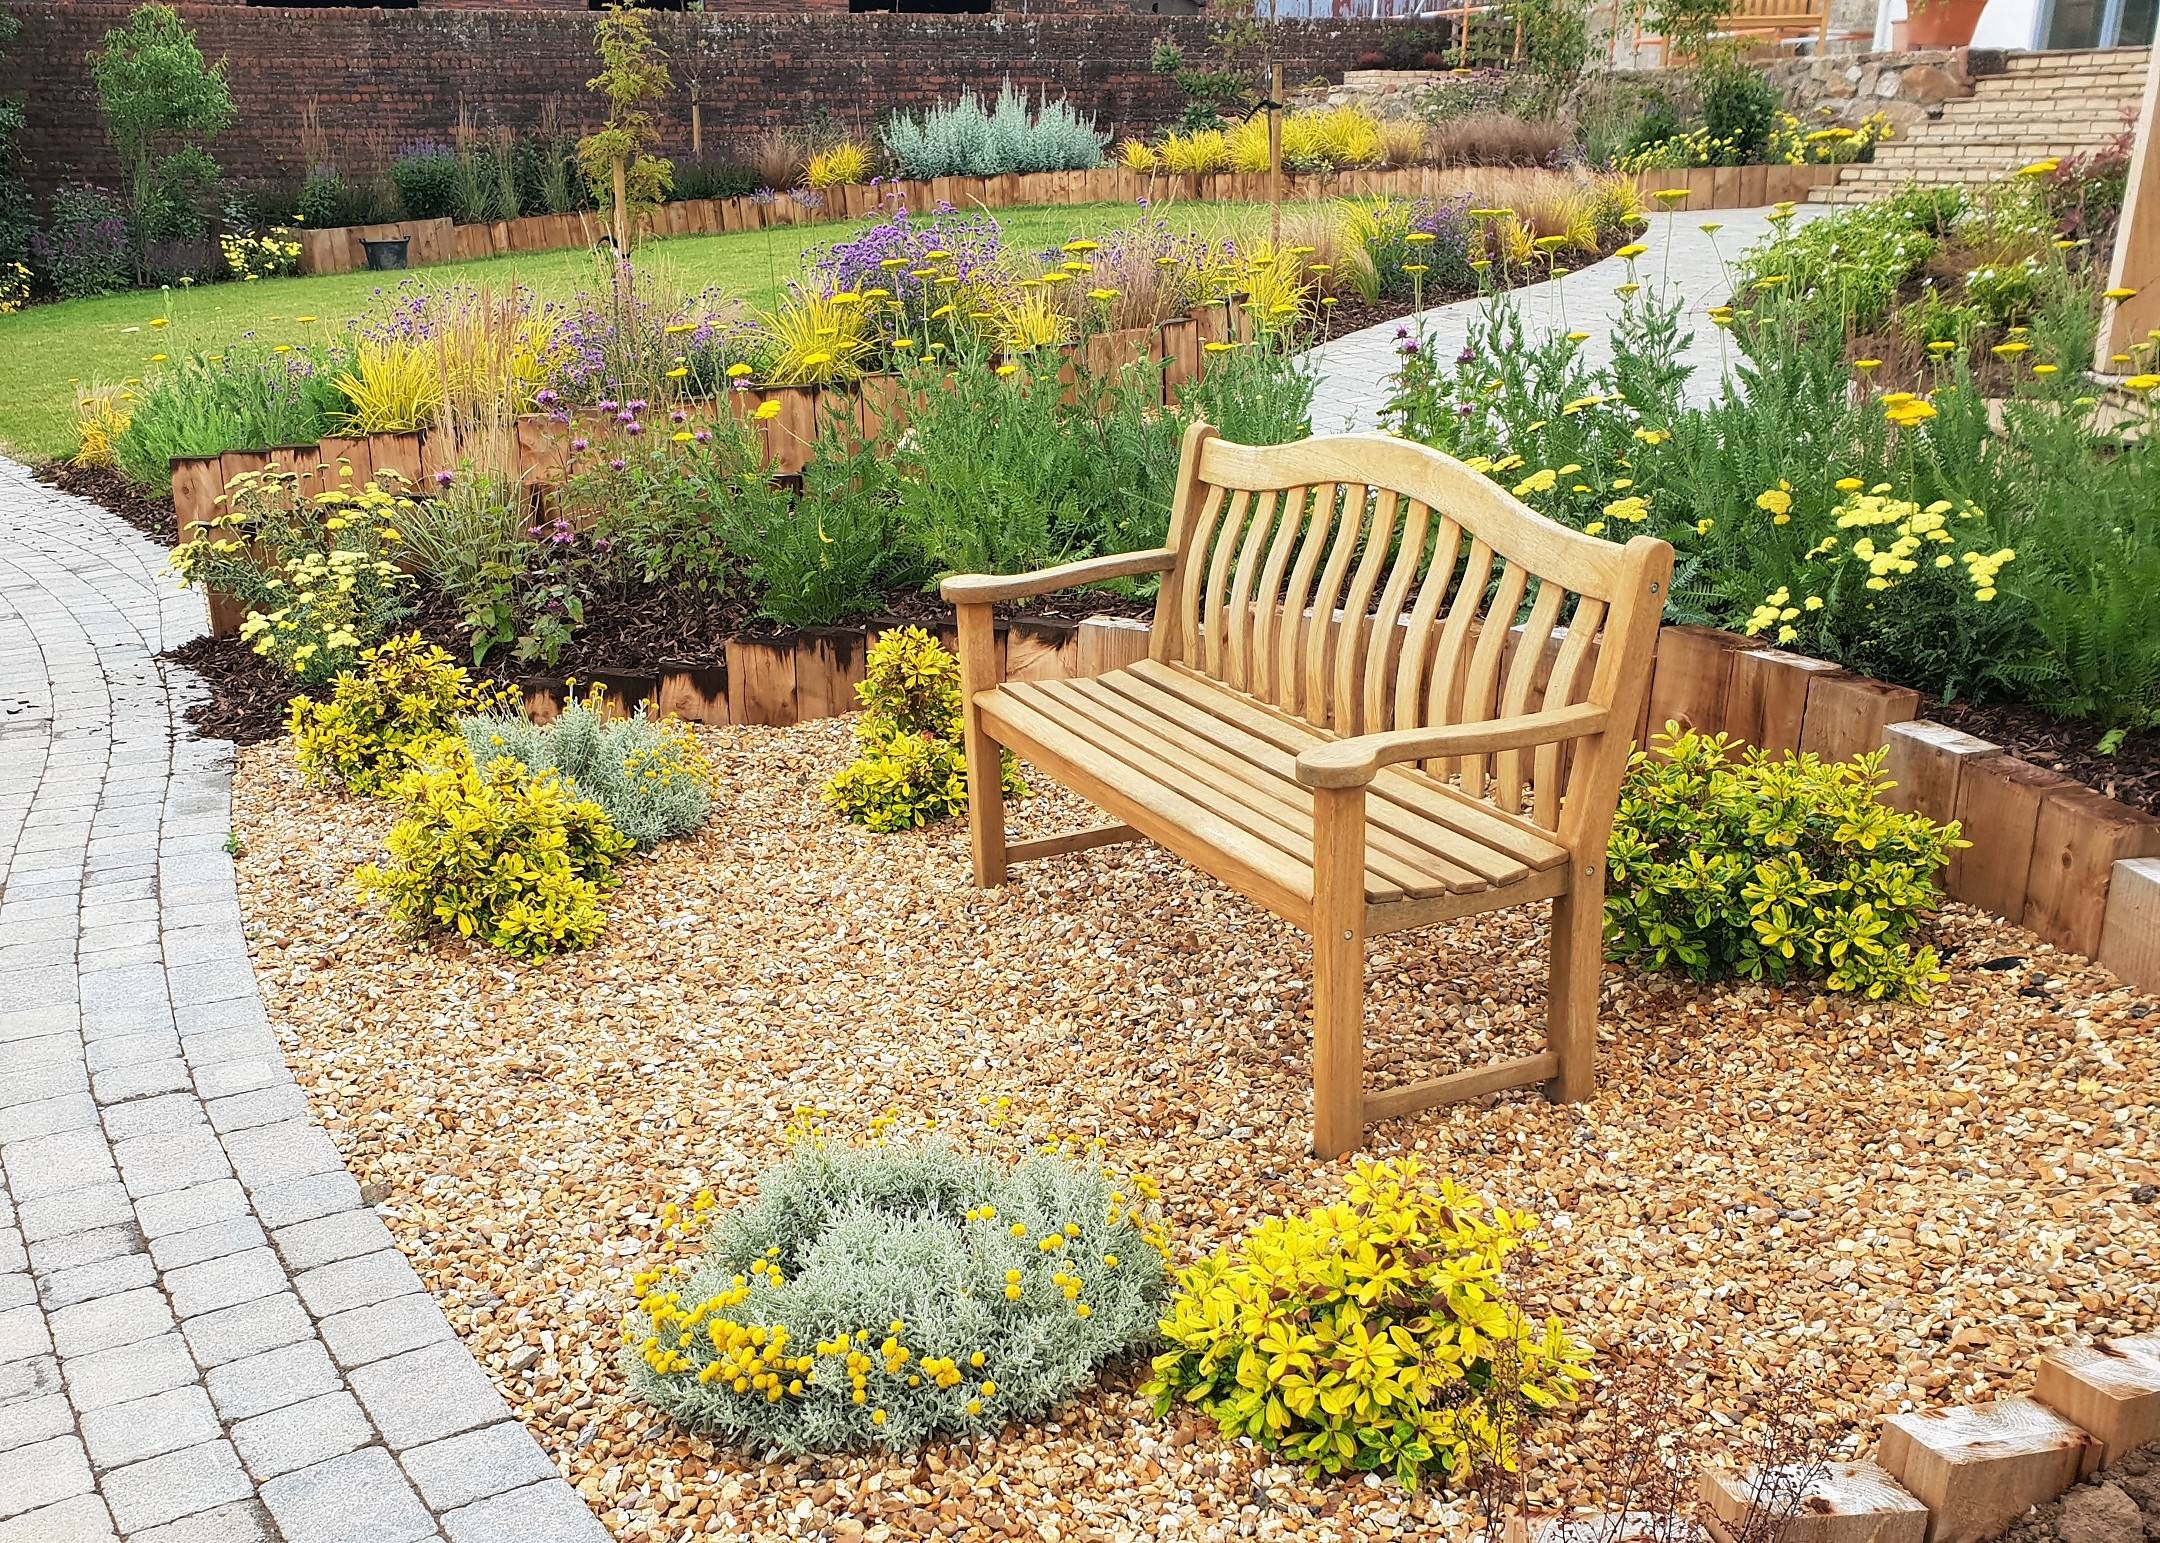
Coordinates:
(1375, 1334)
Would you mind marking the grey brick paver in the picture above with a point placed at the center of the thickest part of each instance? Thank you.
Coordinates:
(425, 1395)
(301, 1435)
(108, 1377)
(539, 1513)
(327, 1239)
(169, 1213)
(386, 1329)
(109, 1322)
(354, 1283)
(261, 1383)
(42, 1474)
(358, 1498)
(164, 1422)
(81, 1520)
(226, 1282)
(478, 1464)
(177, 1484)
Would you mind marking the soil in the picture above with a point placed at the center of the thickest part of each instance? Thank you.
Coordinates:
(2131, 773)
(636, 630)
(151, 515)
(2107, 1509)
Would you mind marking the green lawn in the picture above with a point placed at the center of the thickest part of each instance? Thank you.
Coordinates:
(46, 350)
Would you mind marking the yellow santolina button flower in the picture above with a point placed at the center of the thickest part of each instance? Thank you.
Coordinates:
(2009, 350)
(767, 411)
(1864, 365)
(1849, 484)
(2142, 382)
(1939, 347)
(737, 371)
(2044, 369)
(2118, 293)
(1672, 195)
(1632, 250)
(677, 373)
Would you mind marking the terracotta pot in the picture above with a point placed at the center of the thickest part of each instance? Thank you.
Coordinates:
(1943, 23)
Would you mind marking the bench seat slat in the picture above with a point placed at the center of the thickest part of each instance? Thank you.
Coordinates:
(1398, 831)
(1144, 762)
(1257, 869)
(1221, 768)
(1486, 827)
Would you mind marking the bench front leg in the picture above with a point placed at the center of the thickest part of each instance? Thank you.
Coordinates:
(985, 756)
(1338, 928)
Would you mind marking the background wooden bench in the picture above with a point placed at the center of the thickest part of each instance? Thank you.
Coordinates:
(1380, 693)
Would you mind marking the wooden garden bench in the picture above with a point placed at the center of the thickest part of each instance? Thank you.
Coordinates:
(1379, 693)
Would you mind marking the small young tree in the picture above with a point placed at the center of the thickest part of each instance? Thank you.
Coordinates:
(15, 216)
(618, 159)
(160, 98)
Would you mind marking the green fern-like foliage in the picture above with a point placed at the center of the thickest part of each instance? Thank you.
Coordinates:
(886, 1295)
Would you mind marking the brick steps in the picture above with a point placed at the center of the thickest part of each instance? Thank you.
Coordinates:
(2041, 105)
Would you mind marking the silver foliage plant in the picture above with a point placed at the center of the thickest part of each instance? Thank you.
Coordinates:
(886, 1295)
(648, 776)
(967, 139)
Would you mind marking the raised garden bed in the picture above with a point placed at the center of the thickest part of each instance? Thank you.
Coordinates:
(338, 250)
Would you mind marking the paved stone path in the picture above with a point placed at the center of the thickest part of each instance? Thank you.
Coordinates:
(205, 1336)
(1355, 367)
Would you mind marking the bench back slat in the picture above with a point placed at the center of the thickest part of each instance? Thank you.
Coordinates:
(1365, 583)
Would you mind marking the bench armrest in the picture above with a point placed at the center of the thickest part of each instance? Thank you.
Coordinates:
(984, 588)
(1353, 762)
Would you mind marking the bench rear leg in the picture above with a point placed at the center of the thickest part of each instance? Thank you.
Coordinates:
(1338, 971)
(985, 756)
(1571, 1003)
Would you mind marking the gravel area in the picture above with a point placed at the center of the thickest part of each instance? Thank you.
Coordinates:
(1904, 1204)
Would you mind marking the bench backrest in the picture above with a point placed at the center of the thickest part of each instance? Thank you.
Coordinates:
(1365, 583)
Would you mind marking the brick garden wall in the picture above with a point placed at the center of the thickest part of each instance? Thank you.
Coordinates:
(386, 78)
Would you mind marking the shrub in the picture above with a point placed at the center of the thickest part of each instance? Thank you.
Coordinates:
(1771, 867)
(517, 861)
(426, 176)
(400, 705)
(473, 538)
(335, 590)
(249, 394)
(1368, 1335)
(268, 254)
(968, 139)
(159, 98)
(912, 772)
(649, 777)
(84, 248)
(322, 199)
(1739, 109)
(884, 1296)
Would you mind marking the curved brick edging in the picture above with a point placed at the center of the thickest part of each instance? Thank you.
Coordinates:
(204, 1334)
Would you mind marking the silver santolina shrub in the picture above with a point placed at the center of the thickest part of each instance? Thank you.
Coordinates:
(880, 1296)
(649, 775)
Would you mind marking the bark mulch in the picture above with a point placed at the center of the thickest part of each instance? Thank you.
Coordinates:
(2131, 773)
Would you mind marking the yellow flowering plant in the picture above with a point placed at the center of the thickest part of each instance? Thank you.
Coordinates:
(1378, 1333)
(314, 574)
(885, 1294)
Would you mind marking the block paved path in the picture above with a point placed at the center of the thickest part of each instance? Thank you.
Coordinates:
(205, 1336)
(1354, 368)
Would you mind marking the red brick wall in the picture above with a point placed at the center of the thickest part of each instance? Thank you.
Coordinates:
(386, 78)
